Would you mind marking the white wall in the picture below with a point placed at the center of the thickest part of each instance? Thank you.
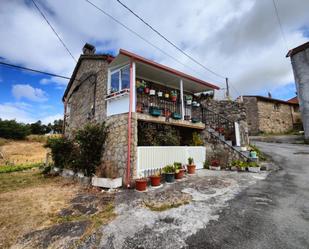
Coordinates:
(118, 105)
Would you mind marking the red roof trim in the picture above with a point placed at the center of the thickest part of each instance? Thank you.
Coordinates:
(293, 100)
(168, 69)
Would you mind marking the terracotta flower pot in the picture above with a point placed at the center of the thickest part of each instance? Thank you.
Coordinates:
(180, 174)
(146, 90)
(141, 184)
(191, 169)
(155, 180)
(174, 98)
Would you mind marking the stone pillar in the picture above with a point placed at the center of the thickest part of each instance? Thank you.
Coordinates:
(300, 64)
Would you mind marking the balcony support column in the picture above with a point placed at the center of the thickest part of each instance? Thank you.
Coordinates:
(182, 100)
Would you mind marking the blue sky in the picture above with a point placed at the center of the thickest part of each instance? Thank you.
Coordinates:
(237, 39)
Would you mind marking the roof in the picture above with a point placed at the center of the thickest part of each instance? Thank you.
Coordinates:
(293, 100)
(270, 99)
(106, 57)
(167, 69)
(298, 49)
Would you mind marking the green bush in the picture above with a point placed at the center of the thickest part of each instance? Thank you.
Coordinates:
(169, 169)
(13, 168)
(64, 154)
(10, 129)
(91, 141)
(196, 139)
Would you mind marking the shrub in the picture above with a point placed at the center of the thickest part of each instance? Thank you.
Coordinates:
(177, 165)
(196, 139)
(12, 130)
(91, 140)
(206, 164)
(169, 169)
(63, 152)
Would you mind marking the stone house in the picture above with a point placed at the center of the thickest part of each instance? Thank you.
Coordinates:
(269, 115)
(300, 64)
(133, 95)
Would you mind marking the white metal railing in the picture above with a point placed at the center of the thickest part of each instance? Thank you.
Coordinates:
(156, 157)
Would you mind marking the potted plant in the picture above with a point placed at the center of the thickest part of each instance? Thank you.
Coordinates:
(140, 86)
(139, 107)
(169, 173)
(254, 167)
(188, 99)
(152, 92)
(167, 95)
(191, 167)
(206, 164)
(179, 170)
(242, 166)
(146, 88)
(155, 180)
(176, 115)
(194, 103)
(167, 113)
(174, 95)
(141, 184)
(187, 117)
(215, 164)
(154, 111)
(235, 165)
(195, 120)
(253, 154)
(160, 94)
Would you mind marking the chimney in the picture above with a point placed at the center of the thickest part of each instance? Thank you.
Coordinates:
(88, 49)
(269, 95)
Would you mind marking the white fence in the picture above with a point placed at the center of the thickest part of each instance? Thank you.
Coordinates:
(156, 157)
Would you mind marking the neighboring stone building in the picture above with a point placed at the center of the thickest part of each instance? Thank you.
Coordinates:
(129, 93)
(268, 115)
(300, 63)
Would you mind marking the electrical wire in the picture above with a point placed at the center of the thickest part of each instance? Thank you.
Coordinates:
(33, 70)
(140, 36)
(55, 32)
(170, 42)
(280, 24)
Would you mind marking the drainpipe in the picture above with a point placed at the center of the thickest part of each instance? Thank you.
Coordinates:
(128, 175)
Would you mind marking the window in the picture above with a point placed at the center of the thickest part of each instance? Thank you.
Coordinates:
(296, 108)
(276, 107)
(120, 79)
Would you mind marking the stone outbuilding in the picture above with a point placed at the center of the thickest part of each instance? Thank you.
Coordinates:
(148, 107)
(300, 63)
(269, 115)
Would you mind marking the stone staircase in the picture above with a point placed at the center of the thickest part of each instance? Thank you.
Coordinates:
(222, 130)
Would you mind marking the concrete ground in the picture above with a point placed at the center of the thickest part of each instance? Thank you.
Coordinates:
(290, 139)
(186, 208)
(273, 213)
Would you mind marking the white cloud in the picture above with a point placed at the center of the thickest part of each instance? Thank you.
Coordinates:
(239, 39)
(51, 118)
(25, 91)
(54, 80)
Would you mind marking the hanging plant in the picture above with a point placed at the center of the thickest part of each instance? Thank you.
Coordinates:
(189, 100)
(174, 95)
(140, 85)
(167, 95)
(160, 94)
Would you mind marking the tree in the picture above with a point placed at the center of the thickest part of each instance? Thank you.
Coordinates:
(58, 126)
(12, 130)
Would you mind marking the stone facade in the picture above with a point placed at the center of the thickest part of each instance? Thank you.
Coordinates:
(267, 115)
(232, 110)
(85, 101)
(300, 64)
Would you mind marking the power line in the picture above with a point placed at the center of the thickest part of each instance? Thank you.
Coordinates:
(167, 40)
(280, 24)
(138, 35)
(34, 70)
(55, 32)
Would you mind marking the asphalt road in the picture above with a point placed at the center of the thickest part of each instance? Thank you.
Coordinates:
(273, 213)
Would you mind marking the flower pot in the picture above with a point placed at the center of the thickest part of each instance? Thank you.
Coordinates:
(214, 167)
(139, 109)
(155, 181)
(146, 90)
(160, 94)
(169, 177)
(174, 98)
(189, 101)
(141, 184)
(254, 169)
(194, 103)
(167, 113)
(187, 117)
(191, 169)
(166, 95)
(180, 174)
(154, 111)
(195, 120)
(176, 115)
(140, 89)
(253, 154)
(234, 168)
(241, 169)
(152, 92)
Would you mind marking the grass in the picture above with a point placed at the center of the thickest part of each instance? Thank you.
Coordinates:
(3, 141)
(29, 201)
(164, 206)
(16, 152)
(14, 168)
(41, 138)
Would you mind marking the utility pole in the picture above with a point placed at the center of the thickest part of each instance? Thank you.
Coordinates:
(227, 88)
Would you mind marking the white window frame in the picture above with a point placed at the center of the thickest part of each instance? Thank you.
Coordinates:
(111, 72)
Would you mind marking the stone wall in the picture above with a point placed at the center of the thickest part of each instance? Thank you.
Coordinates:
(86, 98)
(251, 107)
(233, 111)
(274, 117)
(300, 64)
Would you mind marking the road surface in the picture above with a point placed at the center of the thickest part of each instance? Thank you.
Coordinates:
(273, 213)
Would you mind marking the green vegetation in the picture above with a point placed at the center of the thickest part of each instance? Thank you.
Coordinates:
(169, 169)
(190, 160)
(166, 206)
(196, 139)
(10, 129)
(14, 168)
(206, 164)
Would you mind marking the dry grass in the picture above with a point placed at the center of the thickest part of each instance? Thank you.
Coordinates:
(22, 152)
(29, 201)
(41, 138)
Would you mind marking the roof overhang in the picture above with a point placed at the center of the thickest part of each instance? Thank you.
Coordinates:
(298, 49)
(159, 73)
